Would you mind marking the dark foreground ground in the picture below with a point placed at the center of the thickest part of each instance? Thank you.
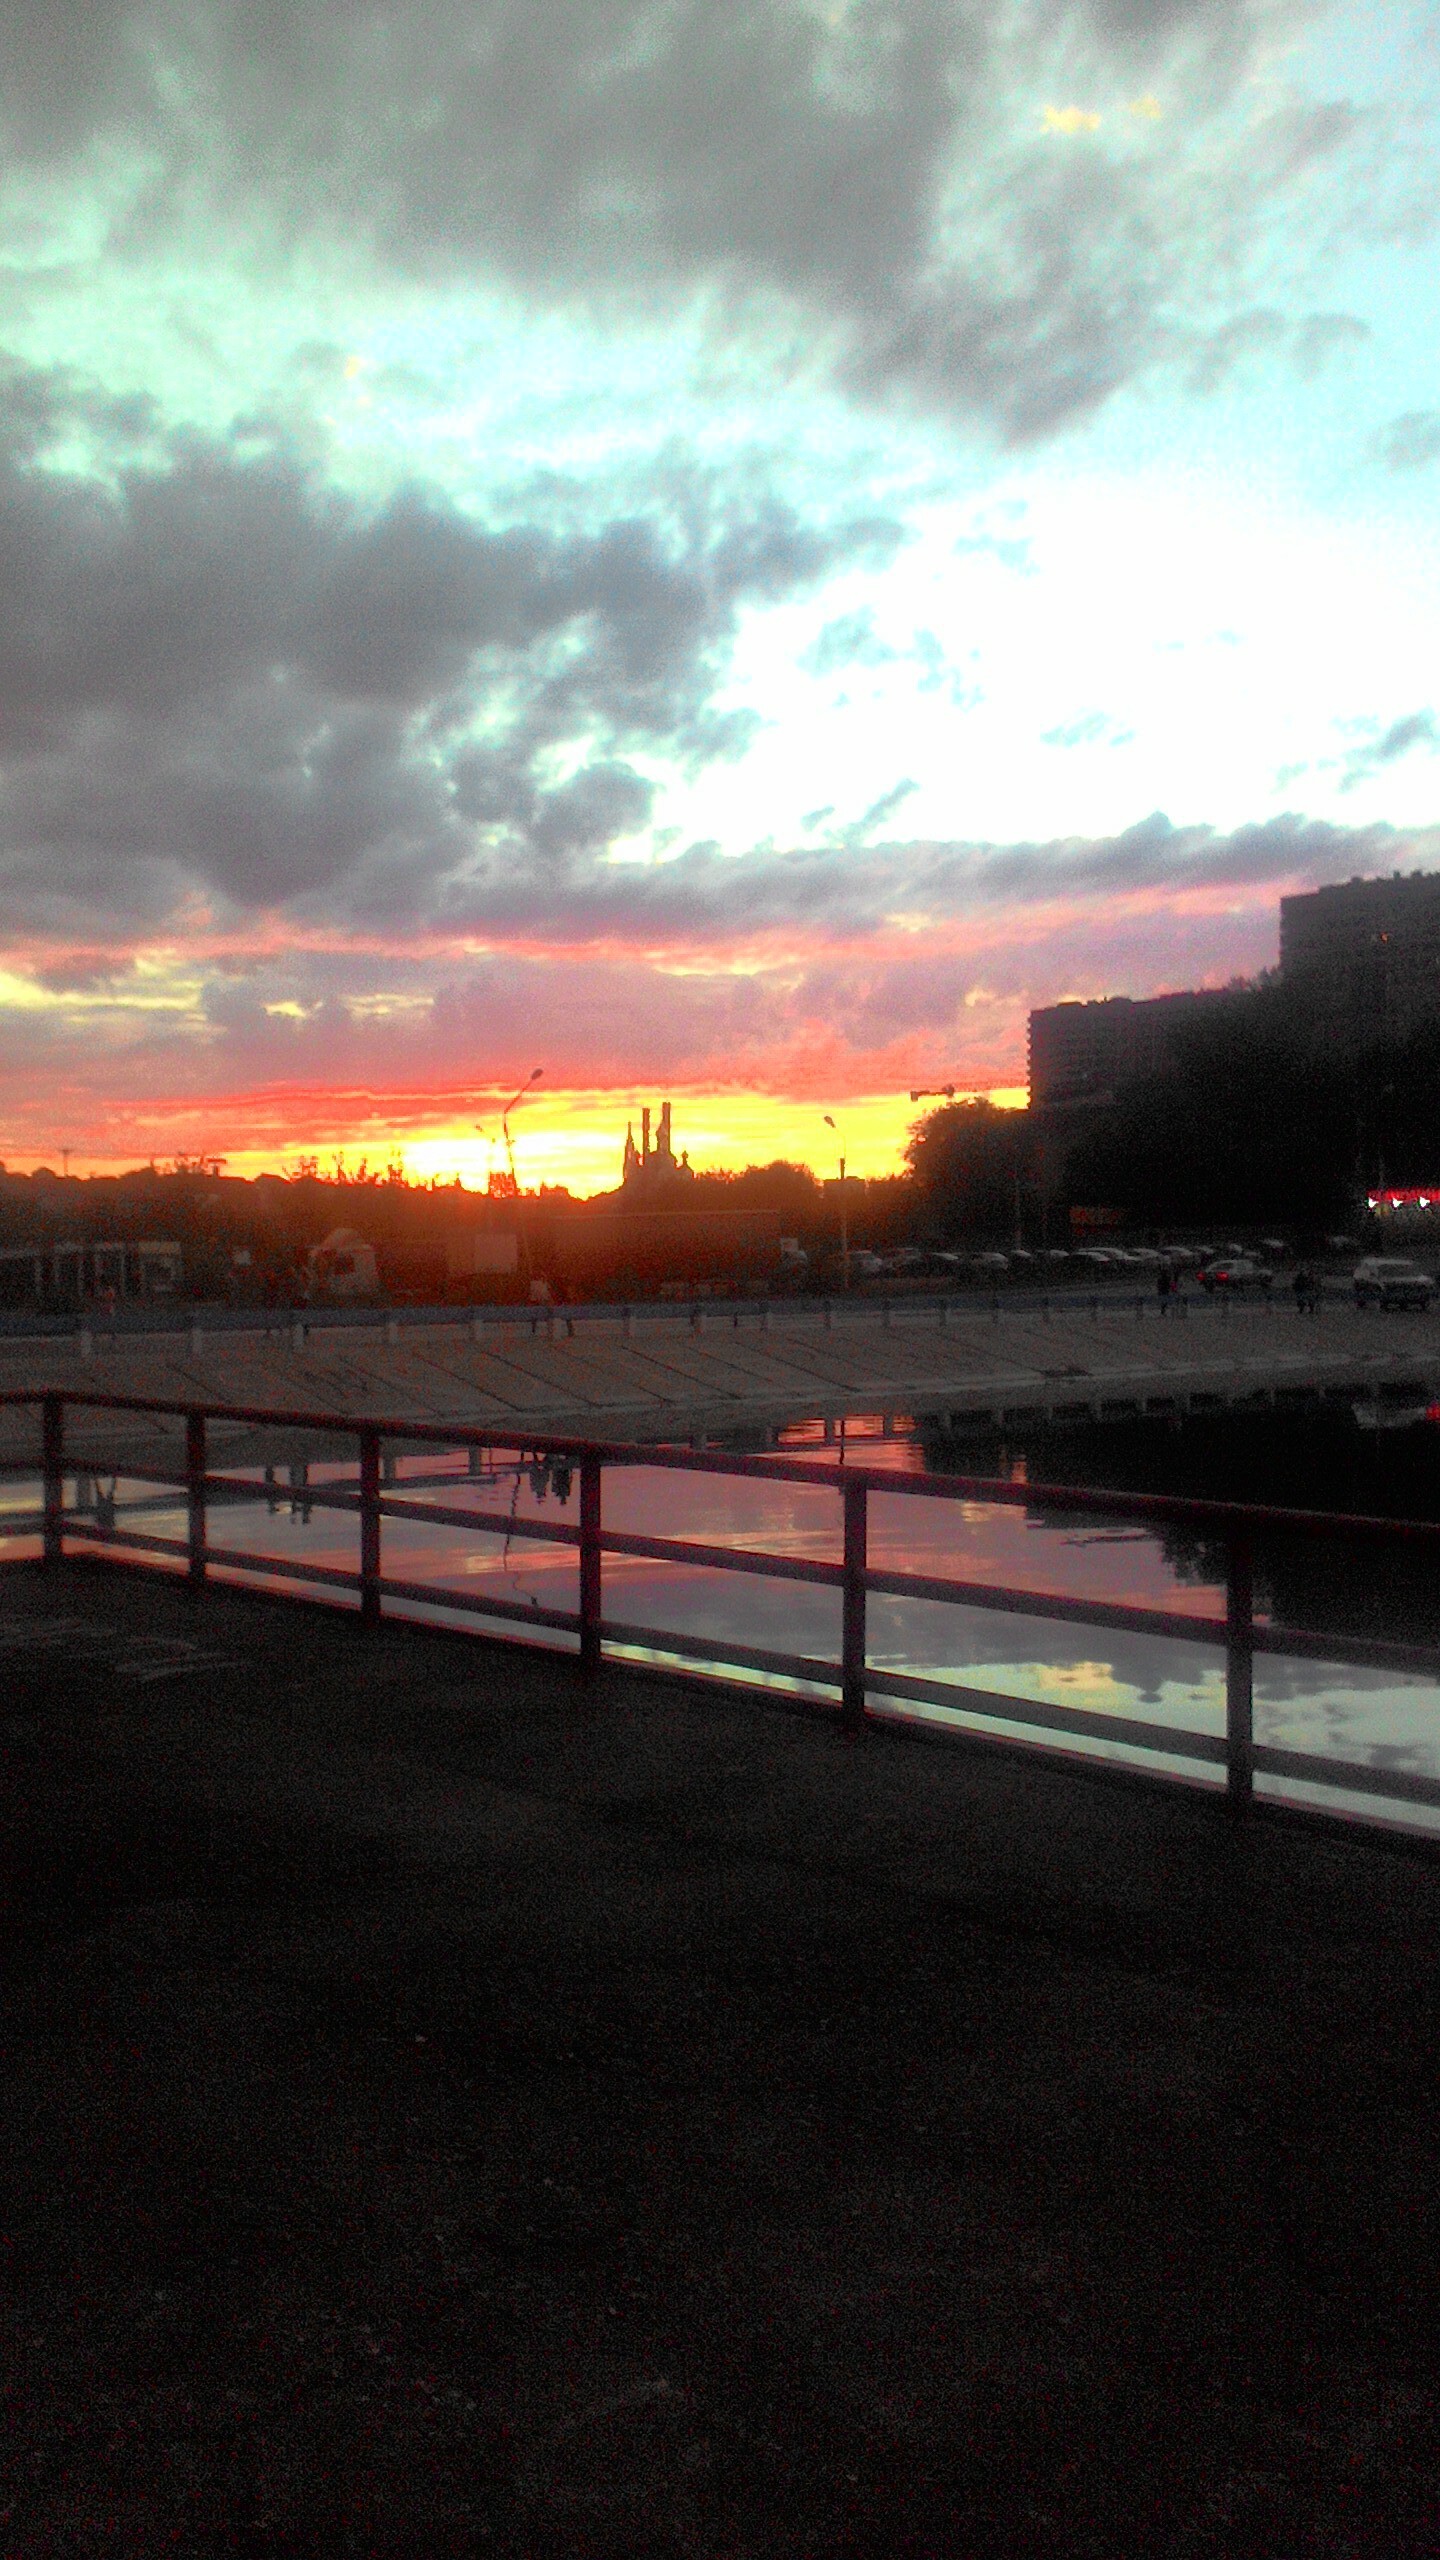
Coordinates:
(446, 2115)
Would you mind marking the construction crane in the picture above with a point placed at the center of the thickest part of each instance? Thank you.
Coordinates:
(513, 1104)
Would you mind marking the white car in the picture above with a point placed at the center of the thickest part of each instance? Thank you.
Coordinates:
(1387, 1280)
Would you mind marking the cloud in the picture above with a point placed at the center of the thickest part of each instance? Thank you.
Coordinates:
(221, 677)
(1418, 729)
(1325, 336)
(834, 972)
(1411, 440)
(881, 809)
(850, 640)
(881, 169)
(1085, 731)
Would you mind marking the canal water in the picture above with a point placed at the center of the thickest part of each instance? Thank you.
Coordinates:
(1366, 1461)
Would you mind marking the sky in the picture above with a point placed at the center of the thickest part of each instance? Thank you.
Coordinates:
(721, 552)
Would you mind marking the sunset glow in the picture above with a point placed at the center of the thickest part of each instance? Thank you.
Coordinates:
(573, 1140)
(499, 569)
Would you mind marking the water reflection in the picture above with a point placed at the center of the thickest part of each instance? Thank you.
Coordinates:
(985, 1654)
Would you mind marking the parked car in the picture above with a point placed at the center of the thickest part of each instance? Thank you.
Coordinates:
(1385, 1280)
(1234, 1274)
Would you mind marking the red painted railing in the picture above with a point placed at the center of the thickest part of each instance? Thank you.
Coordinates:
(855, 1680)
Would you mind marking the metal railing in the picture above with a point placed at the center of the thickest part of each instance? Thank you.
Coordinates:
(904, 1308)
(852, 1678)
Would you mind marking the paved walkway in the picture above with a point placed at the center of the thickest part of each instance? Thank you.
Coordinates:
(665, 1377)
(449, 2113)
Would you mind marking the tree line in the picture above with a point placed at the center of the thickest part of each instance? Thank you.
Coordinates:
(1252, 1121)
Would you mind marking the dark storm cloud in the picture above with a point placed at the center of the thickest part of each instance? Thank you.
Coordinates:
(216, 673)
(881, 163)
(222, 682)
(849, 890)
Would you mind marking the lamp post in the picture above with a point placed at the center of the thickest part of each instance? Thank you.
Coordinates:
(844, 1217)
(513, 1105)
(521, 1234)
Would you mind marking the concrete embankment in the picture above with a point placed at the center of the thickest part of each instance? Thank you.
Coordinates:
(663, 1375)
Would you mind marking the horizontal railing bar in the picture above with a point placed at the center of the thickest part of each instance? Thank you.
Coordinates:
(1399, 1786)
(1175, 1509)
(494, 1524)
(1364, 1652)
(77, 1526)
(295, 1569)
(1175, 1740)
(1127, 1617)
(477, 1604)
(627, 1542)
(230, 1559)
(748, 1657)
(347, 1499)
(1402, 1785)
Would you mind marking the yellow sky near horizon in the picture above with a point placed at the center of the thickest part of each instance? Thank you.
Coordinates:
(577, 1139)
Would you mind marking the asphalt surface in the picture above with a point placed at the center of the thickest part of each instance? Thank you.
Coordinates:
(447, 2111)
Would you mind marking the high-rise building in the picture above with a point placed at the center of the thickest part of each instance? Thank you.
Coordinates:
(1083, 1053)
(1362, 959)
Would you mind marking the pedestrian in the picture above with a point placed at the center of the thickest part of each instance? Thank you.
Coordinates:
(1164, 1286)
(1306, 1291)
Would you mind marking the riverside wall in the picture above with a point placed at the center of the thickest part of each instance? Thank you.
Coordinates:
(659, 1374)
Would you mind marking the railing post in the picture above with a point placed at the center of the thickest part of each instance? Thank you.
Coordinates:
(1240, 1675)
(195, 1492)
(52, 1463)
(590, 1562)
(852, 1633)
(369, 1528)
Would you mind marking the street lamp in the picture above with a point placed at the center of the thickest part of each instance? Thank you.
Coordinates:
(512, 1105)
(844, 1219)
